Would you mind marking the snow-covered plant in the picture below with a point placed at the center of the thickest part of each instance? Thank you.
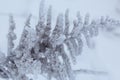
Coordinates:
(41, 51)
(11, 35)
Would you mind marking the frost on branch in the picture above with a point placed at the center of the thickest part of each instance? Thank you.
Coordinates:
(11, 36)
(57, 36)
(67, 23)
(41, 51)
(41, 21)
(48, 24)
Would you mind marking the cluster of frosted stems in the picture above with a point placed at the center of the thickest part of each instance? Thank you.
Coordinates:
(49, 51)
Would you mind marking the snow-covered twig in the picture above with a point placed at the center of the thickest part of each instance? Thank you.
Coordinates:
(91, 72)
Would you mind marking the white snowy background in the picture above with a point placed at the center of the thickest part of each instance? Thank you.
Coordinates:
(105, 56)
